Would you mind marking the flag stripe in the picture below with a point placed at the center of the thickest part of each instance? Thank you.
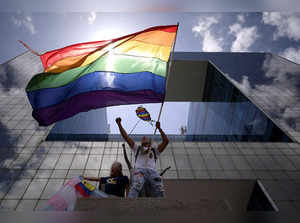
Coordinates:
(109, 62)
(131, 47)
(49, 58)
(92, 100)
(97, 81)
(143, 115)
(68, 63)
(156, 37)
(137, 48)
(82, 59)
(52, 56)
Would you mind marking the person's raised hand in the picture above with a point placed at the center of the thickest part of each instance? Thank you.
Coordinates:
(158, 125)
(118, 120)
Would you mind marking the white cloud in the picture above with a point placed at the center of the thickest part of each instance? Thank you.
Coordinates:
(292, 54)
(241, 18)
(244, 86)
(210, 43)
(20, 20)
(204, 24)
(244, 37)
(92, 17)
(280, 95)
(286, 24)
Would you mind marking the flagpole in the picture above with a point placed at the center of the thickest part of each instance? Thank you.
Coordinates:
(167, 79)
(28, 48)
(134, 126)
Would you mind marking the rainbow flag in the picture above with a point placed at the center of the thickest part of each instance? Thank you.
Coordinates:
(126, 70)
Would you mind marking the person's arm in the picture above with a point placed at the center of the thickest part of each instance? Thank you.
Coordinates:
(124, 133)
(165, 140)
(92, 178)
(127, 189)
(126, 157)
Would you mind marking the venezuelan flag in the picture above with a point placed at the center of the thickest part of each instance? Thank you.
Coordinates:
(127, 70)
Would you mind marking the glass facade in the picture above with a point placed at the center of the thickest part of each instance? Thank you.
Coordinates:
(270, 81)
(227, 115)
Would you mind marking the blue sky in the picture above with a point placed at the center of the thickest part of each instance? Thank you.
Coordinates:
(276, 32)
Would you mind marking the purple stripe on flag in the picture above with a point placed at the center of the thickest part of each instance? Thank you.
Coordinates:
(93, 100)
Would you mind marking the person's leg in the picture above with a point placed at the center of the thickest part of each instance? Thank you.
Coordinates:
(137, 183)
(156, 184)
(147, 188)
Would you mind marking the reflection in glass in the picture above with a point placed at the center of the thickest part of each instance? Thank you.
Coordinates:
(228, 115)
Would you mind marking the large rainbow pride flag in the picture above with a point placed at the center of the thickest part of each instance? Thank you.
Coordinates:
(127, 70)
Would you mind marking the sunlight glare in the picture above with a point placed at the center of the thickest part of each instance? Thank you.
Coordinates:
(107, 34)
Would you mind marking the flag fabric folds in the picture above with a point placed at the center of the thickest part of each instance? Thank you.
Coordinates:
(127, 70)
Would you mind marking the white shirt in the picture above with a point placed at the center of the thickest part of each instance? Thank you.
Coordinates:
(145, 160)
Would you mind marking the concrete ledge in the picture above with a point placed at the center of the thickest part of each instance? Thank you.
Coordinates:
(182, 196)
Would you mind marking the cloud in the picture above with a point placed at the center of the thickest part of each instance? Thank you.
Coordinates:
(22, 20)
(241, 18)
(244, 86)
(15, 74)
(210, 43)
(92, 17)
(286, 24)
(279, 93)
(204, 24)
(244, 36)
(292, 54)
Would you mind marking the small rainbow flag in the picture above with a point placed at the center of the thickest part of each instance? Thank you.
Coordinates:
(143, 114)
(126, 70)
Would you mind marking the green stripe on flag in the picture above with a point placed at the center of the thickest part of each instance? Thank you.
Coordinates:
(109, 62)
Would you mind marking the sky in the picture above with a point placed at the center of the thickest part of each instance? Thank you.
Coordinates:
(174, 116)
(276, 32)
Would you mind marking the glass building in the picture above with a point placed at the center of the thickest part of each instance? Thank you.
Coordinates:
(228, 116)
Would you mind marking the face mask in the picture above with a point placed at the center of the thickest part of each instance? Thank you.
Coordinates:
(144, 150)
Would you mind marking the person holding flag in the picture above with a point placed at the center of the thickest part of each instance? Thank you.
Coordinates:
(145, 156)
